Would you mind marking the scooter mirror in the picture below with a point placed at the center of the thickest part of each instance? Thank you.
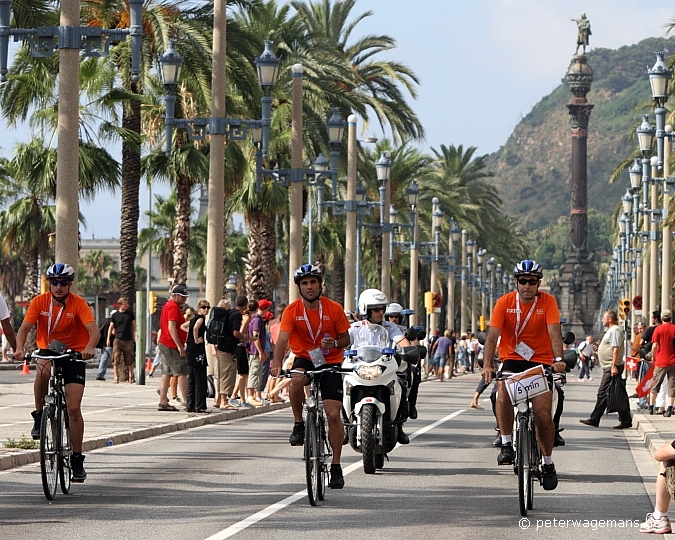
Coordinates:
(570, 358)
(568, 338)
(482, 337)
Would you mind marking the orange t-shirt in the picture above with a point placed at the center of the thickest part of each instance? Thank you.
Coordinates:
(334, 323)
(72, 320)
(534, 334)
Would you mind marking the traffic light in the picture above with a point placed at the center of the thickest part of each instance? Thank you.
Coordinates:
(432, 301)
(624, 308)
(483, 323)
(152, 302)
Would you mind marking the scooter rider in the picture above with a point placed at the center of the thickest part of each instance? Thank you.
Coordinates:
(372, 306)
(394, 314)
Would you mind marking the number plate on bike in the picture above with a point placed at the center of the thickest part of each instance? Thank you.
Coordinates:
(529, 383)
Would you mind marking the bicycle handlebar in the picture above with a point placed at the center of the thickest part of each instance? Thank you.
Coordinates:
(312, 374)
(73, 356)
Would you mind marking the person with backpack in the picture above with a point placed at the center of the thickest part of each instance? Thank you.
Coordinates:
(106, 352)
(223, 333)
(196, 356)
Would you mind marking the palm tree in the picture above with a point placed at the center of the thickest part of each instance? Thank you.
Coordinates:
(158, 238)
(95, 273)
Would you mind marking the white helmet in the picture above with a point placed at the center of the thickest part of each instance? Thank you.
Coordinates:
(370, 298)
(393, 309)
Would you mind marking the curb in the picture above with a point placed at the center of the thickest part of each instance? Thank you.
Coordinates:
(17, 459)
(650, 435)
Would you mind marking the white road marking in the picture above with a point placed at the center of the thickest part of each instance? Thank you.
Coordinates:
(272, 509)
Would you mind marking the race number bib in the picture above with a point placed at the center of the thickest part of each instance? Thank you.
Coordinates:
(527, 384)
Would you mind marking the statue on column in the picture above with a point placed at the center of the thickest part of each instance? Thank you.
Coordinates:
(583, 32)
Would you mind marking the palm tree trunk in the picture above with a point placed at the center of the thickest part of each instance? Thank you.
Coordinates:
(131, 180)
(338, 278)
(181, 234)
(32, 275)
(261, 262)
(377, 248)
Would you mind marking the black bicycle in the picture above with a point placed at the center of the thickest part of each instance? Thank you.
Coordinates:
(56, 449)
(317, 450)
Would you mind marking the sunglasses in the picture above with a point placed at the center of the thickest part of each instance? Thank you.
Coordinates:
(205, 307)
(57, 282)
(378, 309)
(524, 281)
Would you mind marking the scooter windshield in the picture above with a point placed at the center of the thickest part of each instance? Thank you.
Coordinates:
(368, 340)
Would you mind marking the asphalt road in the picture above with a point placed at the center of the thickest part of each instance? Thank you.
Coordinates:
(242, 479)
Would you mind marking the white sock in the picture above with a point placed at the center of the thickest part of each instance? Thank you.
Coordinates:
(659, 515)
(547, 460)
(506, 439)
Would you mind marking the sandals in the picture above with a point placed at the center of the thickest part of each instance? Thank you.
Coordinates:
(166, 407)
(230, 407)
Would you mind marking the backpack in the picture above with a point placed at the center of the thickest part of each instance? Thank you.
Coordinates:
(217, 327)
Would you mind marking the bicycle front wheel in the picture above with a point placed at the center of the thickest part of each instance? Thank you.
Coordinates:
(524, 460)
(323, 457)
(49, 450)
(535, 465)
(312, 461)
(65, 468)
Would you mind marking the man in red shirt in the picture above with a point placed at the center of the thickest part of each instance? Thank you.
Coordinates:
(315, 328)
(61, 315)
(664, 363)
(172, 346)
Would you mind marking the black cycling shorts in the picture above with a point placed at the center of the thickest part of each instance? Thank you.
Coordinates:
(73, 372)
(518, 366)
(330, 382)
(241, 355)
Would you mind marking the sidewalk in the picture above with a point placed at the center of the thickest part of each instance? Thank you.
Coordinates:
(113, 414)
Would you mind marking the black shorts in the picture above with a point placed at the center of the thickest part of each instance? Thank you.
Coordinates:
(518, 366)
(330, 382)
(242, 360)
(73, 372)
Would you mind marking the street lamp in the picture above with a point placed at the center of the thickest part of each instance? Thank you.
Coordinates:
(498, 279)
(490, 268)
(412, 194)
(383, 169)
(363, 208)
(453, 239)
(436, 222)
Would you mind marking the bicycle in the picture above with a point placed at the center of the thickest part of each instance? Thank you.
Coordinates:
(317, 449)
(527, 464)
(55, 445)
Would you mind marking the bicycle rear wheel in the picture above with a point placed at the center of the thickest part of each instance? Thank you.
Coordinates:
(65, 467)
(49, 449)
(535, 464)
(524, 463)
(323, 455)
(312, 462)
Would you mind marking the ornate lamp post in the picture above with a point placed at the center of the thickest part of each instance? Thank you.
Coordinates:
(383, 168)
(464, 284)
(412, 194)
(436, 222)
(452, 252)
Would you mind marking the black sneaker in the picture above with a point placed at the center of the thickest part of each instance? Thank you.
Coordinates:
(549, 478)
(297, 438)
(337, 481)
(558, 440)
(497, 443)
(77, 463)
(37, 421)
(507, 455)
(402, 437)
(412, 414)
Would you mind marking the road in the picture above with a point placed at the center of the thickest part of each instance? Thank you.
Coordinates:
(242, 479)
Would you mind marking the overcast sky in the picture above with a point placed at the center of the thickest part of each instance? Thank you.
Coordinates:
(482, 64)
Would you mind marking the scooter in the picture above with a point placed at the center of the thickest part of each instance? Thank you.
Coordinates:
(373, 393)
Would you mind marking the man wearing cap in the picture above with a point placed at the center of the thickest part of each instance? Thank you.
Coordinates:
(172, 346)
(664, 361)
(257, 354)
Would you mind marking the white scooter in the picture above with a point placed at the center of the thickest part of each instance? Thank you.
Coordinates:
(372, 393)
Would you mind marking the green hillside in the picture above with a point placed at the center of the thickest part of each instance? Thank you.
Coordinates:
(533, 168)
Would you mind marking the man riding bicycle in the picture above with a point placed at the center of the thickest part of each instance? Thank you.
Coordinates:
(317, 331)
(528, 322)
(61, 315)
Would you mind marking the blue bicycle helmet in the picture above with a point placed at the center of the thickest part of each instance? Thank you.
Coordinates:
(528, 268)
(61, 271)
(307, 270)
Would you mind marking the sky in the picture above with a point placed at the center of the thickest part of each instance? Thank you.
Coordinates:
(482, 66)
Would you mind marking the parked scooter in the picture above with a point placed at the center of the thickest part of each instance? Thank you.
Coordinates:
(373, 393)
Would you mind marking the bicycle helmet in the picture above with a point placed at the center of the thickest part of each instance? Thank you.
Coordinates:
(371, 298)
(528, 267)
(393, 309)
(307, 270)
(61, 271)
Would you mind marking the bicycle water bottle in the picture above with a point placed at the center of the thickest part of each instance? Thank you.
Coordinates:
(323, 349)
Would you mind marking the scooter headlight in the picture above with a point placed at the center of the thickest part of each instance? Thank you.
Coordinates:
(369, 372)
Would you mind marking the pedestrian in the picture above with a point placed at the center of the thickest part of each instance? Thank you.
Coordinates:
(610, 356)
(450, 365)
(657, 522)
(585, 351)
(106, 351)
(225, 364)
(664, 361)
(268, 315)
(462, 353)
(196, 359)
(122, 336)
(274, 326)
(440, 351)
(241, 355)
(171, 343)
(473, 348)
(158, 356)
(256, 353)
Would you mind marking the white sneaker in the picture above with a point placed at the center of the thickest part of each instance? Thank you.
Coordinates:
(589, 379)
(656, 526)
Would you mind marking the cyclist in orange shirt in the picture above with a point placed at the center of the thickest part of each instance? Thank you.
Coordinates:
(528, 322)
(61, 315)
(316, 329)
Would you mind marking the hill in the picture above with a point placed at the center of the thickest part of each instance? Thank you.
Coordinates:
(533, 168)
